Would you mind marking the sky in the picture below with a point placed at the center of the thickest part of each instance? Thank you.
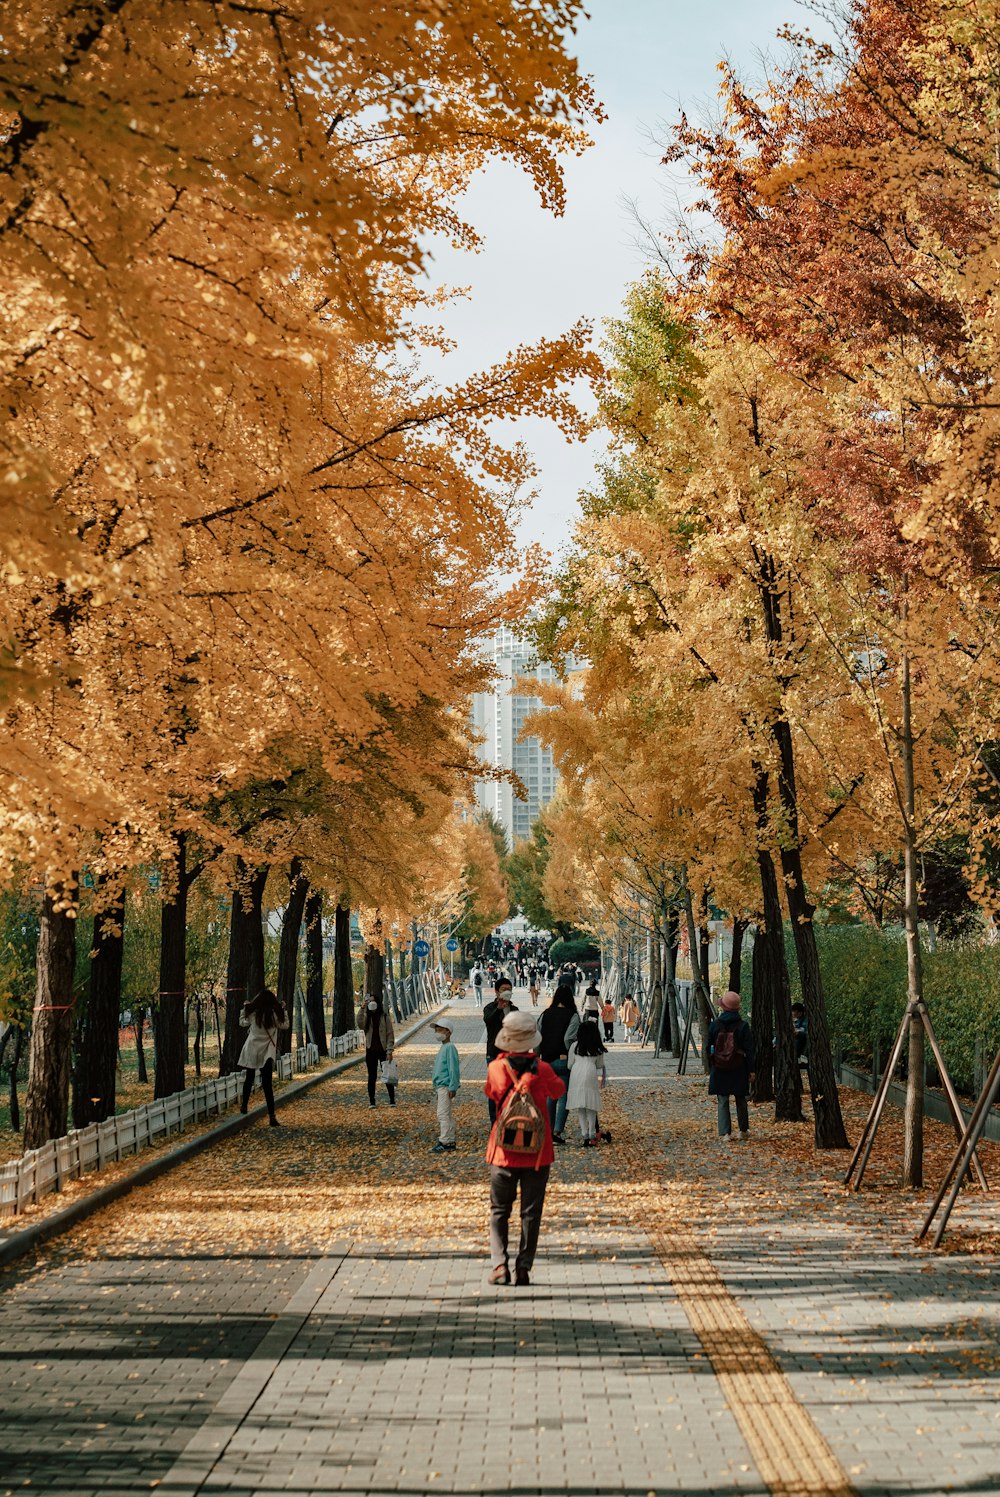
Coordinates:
(538, 275)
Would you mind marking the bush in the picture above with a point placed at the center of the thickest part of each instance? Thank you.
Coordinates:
(574, 951)
(864, 983)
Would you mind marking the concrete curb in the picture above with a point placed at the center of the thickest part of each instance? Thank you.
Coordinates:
(18, 1244)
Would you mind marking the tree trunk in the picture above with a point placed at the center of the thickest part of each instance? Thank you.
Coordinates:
(15, 1106)
(701, 994)
(218, 1029)
(97, 1055)
(47, 1101)
(288, 948)
(656, 986)
(315, 1016)
(343, 973)
(199, 1035)
(913, 1115)
(736, 956)
(776, 1061)
(139, 1025)
(170, 1013)
(705, 966)
(827, 1118)
(245, 968)
(671, 939)
(374, 971)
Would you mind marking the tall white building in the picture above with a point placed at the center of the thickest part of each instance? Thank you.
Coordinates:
(497, 718)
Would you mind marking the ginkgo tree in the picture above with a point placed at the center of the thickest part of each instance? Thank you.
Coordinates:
(240, 521)
(856, 196)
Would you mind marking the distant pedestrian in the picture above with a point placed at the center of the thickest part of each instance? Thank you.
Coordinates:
(558, 1025)
(520, 1086)
(375, 1023)
(608, 1020)
(265, 1018)
(445, 1079)
(800, 1030)
(587, 1079)
(730, 1043)
(629, 1016)
(477, 984)
(591, 1005)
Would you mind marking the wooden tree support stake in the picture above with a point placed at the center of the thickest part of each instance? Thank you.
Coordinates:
(964, 1154)
(689, 1017)
(862, 1154)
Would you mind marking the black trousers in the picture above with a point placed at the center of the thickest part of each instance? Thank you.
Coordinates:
(373, 1061)
(504, 1183)
(267, 1085)
(609, 1030)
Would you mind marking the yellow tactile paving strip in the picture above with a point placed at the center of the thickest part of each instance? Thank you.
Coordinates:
(793, 1458)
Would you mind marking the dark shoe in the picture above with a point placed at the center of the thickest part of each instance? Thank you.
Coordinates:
(606, 1137)
(274, 1123)
(392, 1101)
(243, 1108)
(440, 1148)
(521, 1279)
(371, 1106)
(500, 1274)
(590, 1143)
(557, 1138)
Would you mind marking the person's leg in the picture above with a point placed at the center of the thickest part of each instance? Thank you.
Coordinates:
(533, 1183)
(725, 1117)
(562, 1071)
(392, 1094)
(371, 1061)
(743, 1114)
(446, 1117)
(503, 1189)
(588, 1122)
(247, 1088)
(493, 1110)
(581, 1117)
(266, 1072)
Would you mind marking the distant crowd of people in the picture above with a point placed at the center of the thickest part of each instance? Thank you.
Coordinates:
(539, 1069)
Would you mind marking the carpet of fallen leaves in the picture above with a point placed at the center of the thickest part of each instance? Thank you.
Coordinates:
(337, 1171)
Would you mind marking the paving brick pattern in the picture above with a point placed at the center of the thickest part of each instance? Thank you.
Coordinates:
(305, 1310)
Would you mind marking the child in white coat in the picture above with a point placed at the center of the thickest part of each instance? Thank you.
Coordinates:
(587, 1078)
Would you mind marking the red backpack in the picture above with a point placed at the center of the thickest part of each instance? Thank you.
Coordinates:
(727, 1053)
(520, 1126)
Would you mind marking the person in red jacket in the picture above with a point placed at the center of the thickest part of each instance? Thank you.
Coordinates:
(517, 1041)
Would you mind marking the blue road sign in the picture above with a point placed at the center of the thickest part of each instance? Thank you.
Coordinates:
(421, 948)
(451, 944)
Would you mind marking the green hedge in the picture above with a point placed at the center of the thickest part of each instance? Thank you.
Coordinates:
(573, 951)
(864, 982)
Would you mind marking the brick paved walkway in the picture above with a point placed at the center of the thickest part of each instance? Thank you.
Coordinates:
(304, 1310)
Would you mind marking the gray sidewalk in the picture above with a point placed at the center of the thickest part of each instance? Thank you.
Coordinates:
(305, 1310)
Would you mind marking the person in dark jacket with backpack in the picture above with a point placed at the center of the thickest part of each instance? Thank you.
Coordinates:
(520, 1150)
(494, 1015)
(730, 1048)
(558, 1025)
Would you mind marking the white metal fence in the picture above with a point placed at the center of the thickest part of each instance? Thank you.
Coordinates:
(419, 993)
(42, 1171)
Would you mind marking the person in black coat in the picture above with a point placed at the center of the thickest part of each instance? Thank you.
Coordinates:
(558, 1026)
(731, 1081)
(493, 1016)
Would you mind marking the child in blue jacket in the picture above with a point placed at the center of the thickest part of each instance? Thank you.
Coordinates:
(445, 1079)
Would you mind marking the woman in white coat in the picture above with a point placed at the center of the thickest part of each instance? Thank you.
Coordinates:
(586, 1079)
(265, 1018)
